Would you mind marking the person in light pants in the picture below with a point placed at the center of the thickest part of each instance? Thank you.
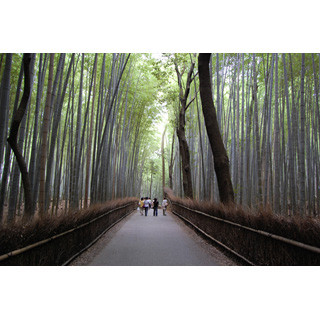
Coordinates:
(164, 206)
(146, 206)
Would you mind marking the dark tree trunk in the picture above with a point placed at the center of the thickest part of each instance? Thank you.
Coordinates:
(185, 155)
(171, 164)
(221, 161)
(181, 133)
(4, 104)
(12, 139)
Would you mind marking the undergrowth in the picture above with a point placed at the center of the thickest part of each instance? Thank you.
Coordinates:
(301, 229)
(19, 235)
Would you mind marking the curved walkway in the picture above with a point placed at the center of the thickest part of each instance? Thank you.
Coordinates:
(153, 241)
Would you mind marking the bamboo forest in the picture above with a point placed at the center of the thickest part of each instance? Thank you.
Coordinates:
(84, 128)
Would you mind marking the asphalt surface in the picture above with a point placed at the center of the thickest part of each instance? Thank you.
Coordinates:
(152, 241)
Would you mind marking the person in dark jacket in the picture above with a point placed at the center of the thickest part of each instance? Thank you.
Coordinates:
(155, 207)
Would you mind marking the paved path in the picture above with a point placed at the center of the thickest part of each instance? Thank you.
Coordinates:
(153, 241)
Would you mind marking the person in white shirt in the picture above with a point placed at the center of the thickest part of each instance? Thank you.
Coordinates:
(146, 206)
(164, 206)
(150, 202)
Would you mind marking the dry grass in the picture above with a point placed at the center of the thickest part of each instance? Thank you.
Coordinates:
(302, 229)
(19, 235)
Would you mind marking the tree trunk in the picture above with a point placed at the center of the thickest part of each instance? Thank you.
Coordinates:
(171, 164)
(256, 131)
(185, 156)
(45, 129)
(12, 139)
(55, 124)
(183, 144)
(6, 169)
(74, 194)
(163, 163)
(277, 176)
(221, 161)
(90, 136)
(34, 149)
(292, 179)
(201, 142)
(4, 104)
(301, 154)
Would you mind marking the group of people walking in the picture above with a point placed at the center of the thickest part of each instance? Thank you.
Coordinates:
(146, 203)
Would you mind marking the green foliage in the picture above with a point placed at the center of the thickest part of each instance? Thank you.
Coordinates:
(149, 93)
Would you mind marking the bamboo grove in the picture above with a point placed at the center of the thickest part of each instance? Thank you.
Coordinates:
(268, 112)
(105, 126)
(85, 141)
